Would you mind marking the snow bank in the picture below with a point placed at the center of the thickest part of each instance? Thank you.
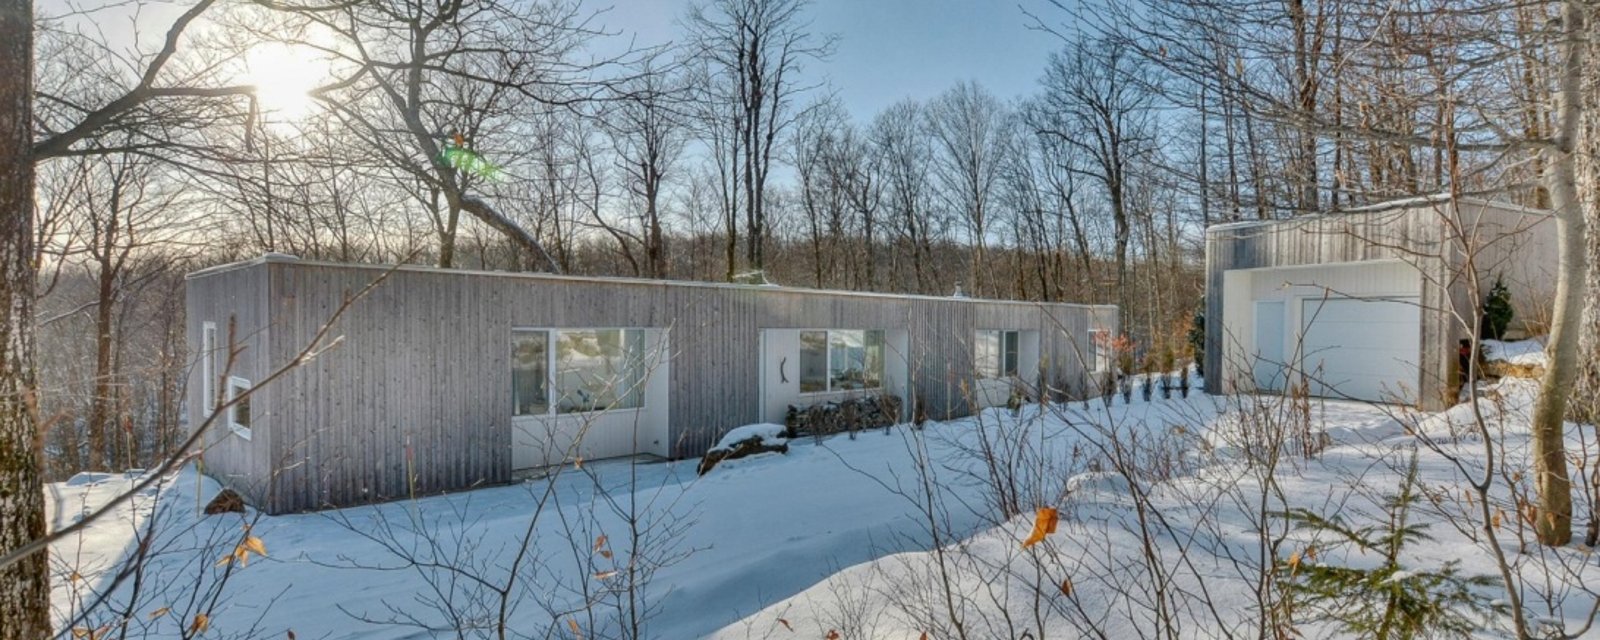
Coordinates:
(1506, 407)
(1527, 353)
(771, 435)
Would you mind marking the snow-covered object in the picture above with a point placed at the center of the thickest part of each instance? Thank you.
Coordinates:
(771, 435)
(1526, 353)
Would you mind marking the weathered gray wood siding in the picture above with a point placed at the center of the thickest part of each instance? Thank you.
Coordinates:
(1435, 238)
(416, 395)
(236, 297)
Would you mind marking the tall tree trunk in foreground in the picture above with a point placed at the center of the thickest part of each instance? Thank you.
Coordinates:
(1585, 407)
(24, 586)
(1554, 524)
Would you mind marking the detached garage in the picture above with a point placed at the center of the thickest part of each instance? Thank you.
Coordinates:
(1367, 304)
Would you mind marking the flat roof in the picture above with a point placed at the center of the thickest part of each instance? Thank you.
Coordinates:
(280, 258)
(1390, 205)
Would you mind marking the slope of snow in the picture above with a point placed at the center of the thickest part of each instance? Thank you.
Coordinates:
(833, 532)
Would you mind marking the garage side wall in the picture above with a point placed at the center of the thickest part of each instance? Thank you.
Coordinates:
(233, 299)
(1518, 245)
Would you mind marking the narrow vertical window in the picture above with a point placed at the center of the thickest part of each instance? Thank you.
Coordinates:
(1009, 353)
(813, 361)
(530, 361)
(1099, 351)
(239, 416)
(208, 367)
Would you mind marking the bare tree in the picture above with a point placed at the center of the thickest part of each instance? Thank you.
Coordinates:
(1097, 100)
(968, 127)
(752, 52)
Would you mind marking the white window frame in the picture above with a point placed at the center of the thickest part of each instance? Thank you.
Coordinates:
(1000, 354)
(208, 368)
(235, 382)
(828, 364)
(550, 338)
(1098, 361)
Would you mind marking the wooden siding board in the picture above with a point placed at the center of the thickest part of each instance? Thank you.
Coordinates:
(423, 361)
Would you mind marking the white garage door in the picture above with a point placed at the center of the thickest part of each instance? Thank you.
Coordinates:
(1363, 348)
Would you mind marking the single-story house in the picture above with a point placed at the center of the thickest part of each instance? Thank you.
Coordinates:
(1370, 303)
(439, 380)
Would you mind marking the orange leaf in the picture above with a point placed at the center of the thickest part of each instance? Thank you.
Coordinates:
(572, 622)
(832, 635)
(600, 542)
(200, 624)
(1294, 562)
(1044, 523)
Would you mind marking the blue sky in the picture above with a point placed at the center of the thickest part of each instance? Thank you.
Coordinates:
(893, 49)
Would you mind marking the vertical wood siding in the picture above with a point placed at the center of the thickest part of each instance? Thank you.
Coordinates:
(416, 395)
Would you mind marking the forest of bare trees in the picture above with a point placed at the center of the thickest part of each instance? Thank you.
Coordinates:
(487, 134)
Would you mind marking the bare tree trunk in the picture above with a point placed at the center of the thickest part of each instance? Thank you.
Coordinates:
(1554, 524)
(24, 586)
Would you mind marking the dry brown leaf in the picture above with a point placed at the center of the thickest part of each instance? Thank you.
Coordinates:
(600, 542)
(786, 625)
(1066, 587)
(255, 545)
(159, 612)
(1294, 562)
(1044, 523)
(573, 622)
(832, 635)
(200, 624)
(605, 574)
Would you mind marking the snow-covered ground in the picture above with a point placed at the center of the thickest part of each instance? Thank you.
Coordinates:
(835, 536)
(1521, 352)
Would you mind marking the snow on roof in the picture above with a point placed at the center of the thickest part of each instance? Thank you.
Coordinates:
(1389, 205)
(288, 259)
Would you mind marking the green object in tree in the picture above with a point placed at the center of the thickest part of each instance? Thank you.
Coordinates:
(468, 162)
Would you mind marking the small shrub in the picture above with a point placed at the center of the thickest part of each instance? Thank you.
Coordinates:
(1497, 311)
(1197, 337)
(1386, 601)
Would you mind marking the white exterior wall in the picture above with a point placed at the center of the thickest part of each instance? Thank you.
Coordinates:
(1242, 288)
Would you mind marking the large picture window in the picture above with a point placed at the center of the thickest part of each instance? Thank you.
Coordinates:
(995, 353)
(841, 360)
(573, 371)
